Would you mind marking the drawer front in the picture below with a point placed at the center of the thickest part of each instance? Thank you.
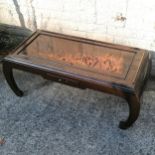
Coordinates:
(64, 80)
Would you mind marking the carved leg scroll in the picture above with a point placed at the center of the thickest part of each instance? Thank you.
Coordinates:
(134, 109)
(7, 70)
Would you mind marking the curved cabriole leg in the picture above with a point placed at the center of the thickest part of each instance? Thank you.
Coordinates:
(134, 109)
(7, 70)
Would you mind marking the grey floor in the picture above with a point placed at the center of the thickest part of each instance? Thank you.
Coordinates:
(53, 119)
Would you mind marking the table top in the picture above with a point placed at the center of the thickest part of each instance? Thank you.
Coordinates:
(80, 57)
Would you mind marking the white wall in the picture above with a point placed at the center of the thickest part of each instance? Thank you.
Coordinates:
(128, 22)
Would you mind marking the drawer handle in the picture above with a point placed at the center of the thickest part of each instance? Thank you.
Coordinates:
(60, 80)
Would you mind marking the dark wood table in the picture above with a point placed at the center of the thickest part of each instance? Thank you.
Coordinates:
(83, 63)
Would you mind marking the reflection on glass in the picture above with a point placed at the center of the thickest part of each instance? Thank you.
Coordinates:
(79, 54)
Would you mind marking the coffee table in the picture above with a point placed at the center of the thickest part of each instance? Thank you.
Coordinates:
(83, 63)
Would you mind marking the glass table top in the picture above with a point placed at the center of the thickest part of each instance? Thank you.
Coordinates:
(83, 55)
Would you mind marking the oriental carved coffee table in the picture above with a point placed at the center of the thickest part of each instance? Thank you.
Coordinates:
(83, 63)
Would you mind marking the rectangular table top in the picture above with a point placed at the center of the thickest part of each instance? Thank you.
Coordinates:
(80, 57)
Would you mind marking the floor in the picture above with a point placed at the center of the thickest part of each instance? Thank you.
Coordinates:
(54, 119)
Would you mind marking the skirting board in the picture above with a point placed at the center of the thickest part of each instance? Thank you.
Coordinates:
(153, 64)
(15, 30)
(10, 37)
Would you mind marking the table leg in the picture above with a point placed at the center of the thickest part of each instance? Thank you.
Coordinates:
(134, 109)
(8, 73)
